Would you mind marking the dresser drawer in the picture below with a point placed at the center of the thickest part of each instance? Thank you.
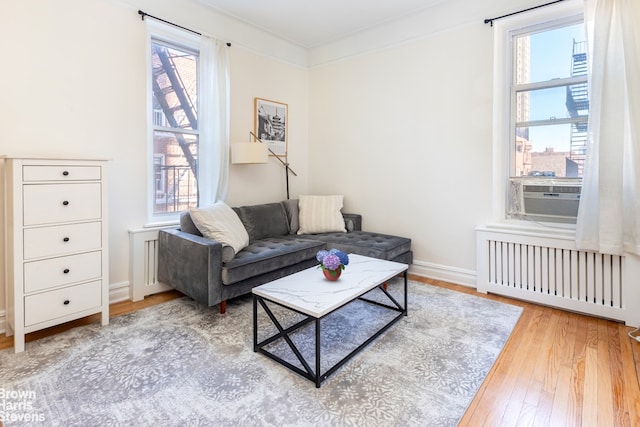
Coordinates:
(53, 203)
(60, 173)
(50, 273)
(62, 239)
(61, 302)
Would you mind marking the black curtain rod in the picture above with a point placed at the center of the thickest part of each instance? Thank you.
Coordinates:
(144, 15)
(490, 20)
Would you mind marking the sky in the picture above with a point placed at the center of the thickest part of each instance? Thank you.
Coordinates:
(552, 50)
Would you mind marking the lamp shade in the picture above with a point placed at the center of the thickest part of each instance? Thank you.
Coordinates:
(249, 152)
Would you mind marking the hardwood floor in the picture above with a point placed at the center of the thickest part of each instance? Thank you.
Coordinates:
(557, 369)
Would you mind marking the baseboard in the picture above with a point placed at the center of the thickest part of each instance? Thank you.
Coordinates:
(119, 292)
(3, 321)
(445, 273)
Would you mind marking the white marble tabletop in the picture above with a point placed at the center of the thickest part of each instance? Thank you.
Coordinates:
(309, 292)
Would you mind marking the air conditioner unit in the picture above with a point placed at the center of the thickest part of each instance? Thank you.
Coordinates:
(550, 201)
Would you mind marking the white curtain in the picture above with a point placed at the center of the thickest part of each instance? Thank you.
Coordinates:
(609, 214)
(213, 157)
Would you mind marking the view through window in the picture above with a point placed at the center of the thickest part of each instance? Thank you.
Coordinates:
(549, 101)
(175, 127)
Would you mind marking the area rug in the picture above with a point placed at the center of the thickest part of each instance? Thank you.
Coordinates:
(182, 364)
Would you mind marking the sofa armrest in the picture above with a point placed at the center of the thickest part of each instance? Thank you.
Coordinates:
(353, 222)
(191, 264)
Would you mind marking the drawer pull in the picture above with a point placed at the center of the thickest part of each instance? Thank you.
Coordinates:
(66, 302)
(65, 203)
(66, 239)
(66, 271)
(65, 173)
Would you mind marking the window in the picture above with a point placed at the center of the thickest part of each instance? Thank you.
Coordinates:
(549, 100)
(541, 113)
(174, 93)
(187, 121)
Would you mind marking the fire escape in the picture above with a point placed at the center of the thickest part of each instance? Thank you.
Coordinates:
(171, 95)
(578, 106)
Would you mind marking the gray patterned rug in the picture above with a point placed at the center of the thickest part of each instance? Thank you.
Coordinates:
(181, 364)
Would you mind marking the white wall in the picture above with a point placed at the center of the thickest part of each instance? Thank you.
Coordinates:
(257, 76)
(73, 83)
(405, 132)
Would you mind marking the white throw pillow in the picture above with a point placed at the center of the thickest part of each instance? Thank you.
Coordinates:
(219, 222)
(320, 214)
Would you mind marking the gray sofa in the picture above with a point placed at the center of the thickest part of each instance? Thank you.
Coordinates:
(204, 270)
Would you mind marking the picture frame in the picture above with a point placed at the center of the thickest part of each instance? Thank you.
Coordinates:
(271, 124)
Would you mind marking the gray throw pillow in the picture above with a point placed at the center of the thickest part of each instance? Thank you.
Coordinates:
(263, 221)
(187, 225)
(291, 207)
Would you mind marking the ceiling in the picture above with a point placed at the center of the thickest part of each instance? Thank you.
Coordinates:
(313, 23)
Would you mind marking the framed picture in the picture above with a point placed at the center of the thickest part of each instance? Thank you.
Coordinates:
(271, 125)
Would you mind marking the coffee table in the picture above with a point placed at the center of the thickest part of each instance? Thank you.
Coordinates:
(311, 295)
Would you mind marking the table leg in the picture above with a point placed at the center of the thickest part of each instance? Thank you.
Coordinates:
(318, 379)
(406, 307)
(255, 323)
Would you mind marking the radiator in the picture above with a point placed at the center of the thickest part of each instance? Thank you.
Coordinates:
(548, 269)
(143, 263)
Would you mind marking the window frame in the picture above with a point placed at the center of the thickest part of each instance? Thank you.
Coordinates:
(504, 90)
(172, 37)
(516, 88)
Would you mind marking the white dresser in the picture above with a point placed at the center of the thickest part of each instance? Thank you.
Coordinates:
(56, 243)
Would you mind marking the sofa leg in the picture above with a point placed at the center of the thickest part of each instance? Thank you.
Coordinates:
(384, 286)
(223, 307)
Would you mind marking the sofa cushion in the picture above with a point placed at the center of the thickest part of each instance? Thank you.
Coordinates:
(291, 207)
(187, 225)
(365, 243)
(219, 222)
(320, 214)
(262, 221)
(268, 255)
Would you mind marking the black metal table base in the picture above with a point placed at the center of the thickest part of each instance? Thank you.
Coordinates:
(314, 374)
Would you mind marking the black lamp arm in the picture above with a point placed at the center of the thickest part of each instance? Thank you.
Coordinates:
(284, 163)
